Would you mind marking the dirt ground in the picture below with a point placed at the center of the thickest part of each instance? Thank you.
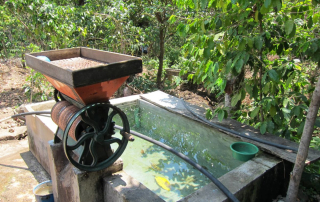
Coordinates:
(13, 77)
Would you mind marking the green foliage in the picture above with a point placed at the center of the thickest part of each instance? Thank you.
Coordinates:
(39, 88)
(144, 83)
(227, 38)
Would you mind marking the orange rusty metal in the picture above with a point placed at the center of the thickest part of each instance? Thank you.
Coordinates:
(99, 92)
(61, 114)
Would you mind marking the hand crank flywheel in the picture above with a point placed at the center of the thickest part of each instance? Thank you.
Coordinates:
(93, 147)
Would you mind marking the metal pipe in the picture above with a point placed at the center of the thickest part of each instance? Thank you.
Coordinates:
(188, 160)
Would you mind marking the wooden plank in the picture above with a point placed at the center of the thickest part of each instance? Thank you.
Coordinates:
(59, 54)
(48, 69)
(105, 56)
(175, 105)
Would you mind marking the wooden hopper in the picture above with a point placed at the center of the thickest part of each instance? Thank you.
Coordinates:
(83, 74)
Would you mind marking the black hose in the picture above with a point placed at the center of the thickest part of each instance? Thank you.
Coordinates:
(237, 133)
(188, 160)
(31, 113)
(27, 113)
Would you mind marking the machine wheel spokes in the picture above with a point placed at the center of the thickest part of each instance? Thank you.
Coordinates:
(93, 148)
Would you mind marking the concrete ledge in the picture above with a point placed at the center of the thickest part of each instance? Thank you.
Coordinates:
(246, 182)
(120, 187)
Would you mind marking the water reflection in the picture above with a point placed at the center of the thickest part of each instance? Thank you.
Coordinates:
(147, 162)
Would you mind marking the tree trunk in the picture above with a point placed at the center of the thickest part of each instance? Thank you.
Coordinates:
(160, 56)
(295, 178)
(260, 79)
(228, 91)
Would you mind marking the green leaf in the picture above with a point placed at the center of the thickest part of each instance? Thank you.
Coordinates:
(263, 127)
(235, 99)
(289, 80)
(277, 120)
(278, 4)
(294, 123)
(215, 68)
(190, 4)
(293, 31)
(172, 19)
(296, 110)
(242, 44)
(285, 102)
(204, 77)
(228, 66)
(209, 114)
(203, 3)
(264, 77)
(208, 66)
(314, 47)
(206, 53)
(310, 22)
(255, 92)
(248, 89)
(239, 65)
(264, 10)
(181, 29)
(285, 110)
(243, 94)
(273, 75)
(221, 83)
(300, 128)
(255, 112)
(210, 43)
(273, 111)
(258, 43)
(270, 126)
(317, 123)
(220, 115)
(250, 42)
(279, 49)
(267, 3)
(266, 88)
(289, 26)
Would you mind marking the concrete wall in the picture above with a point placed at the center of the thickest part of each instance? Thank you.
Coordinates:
(261, 179)
(41, 130)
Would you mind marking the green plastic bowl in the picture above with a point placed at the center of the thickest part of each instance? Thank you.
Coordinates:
(243, 151)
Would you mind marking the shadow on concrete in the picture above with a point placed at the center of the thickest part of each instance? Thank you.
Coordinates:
(9, 166)
(39, 173)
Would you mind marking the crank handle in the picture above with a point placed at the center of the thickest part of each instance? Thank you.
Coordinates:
(126, 135)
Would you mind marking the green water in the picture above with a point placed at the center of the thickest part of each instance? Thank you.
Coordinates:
(204, 145)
